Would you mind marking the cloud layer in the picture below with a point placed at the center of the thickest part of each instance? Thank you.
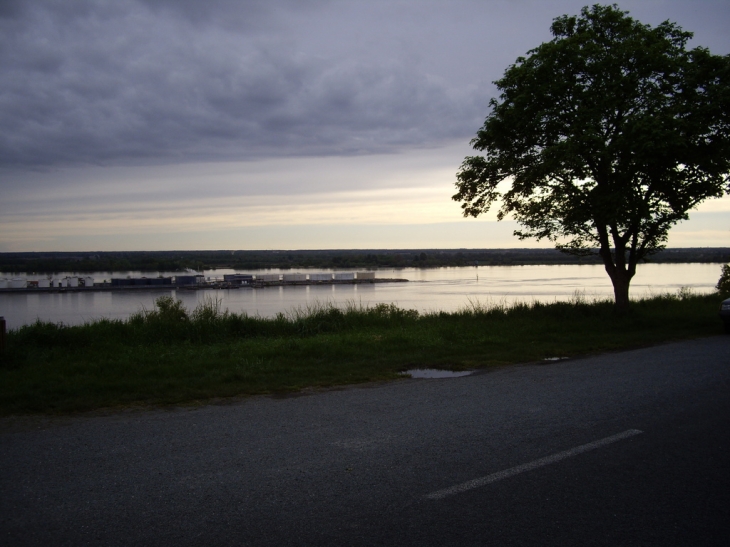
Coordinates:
(181, 116)
(107, 83)
(164, 81)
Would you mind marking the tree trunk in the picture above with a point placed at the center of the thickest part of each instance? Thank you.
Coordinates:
(621, 282)
(620, 277)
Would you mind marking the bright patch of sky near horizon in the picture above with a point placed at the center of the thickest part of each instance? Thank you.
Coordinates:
(145, 125)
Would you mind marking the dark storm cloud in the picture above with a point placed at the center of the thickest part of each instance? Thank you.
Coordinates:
(105, 83)
(233, 14)
(166, 81)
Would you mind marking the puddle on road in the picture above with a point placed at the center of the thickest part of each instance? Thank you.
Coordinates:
(435, 373)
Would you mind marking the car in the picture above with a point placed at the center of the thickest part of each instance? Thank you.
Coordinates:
(725, 314)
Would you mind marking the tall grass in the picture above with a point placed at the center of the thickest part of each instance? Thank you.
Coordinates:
(170, 354)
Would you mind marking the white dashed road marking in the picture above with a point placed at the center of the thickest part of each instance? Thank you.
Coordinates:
(512, 471)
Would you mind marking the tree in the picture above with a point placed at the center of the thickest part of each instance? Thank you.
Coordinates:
(723, 284)
(607, 135)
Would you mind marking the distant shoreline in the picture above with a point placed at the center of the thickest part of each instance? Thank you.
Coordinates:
(374, 259)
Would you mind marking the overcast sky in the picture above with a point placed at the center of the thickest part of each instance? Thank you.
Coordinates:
(276, 124)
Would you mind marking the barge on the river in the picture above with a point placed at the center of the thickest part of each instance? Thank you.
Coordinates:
(188, 282)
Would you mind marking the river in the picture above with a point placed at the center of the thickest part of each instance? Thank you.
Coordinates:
(438, 289)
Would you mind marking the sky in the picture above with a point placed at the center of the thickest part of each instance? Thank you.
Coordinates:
(272, 124)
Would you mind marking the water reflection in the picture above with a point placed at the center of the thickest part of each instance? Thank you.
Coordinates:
(447, 289)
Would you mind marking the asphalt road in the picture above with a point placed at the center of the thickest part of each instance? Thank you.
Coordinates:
(630, 448)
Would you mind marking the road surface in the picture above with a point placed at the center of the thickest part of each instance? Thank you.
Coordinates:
(629, 448)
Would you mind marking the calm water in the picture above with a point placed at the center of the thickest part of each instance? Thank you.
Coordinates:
(446, 289)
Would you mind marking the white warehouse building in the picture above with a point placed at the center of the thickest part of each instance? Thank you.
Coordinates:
(295, 277)
(320, 277)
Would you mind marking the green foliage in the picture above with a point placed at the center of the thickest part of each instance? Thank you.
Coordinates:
(173, 355)
(723, 284)
(168, 310)
(610, 133)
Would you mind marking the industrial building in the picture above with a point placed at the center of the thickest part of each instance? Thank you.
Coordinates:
(238, 279)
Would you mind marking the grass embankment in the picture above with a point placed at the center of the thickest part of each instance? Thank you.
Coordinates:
(171, 355)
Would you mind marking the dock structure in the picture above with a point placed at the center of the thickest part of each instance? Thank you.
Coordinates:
(142, 282)
(240, 280)
(189, 282)
(327, 278)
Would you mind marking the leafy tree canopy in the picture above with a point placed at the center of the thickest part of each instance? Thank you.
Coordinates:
(608, 135)
(723, 284)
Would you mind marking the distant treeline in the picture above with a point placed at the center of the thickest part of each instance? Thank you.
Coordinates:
(158, 261)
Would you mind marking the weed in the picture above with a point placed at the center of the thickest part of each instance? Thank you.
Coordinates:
(174, 355)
